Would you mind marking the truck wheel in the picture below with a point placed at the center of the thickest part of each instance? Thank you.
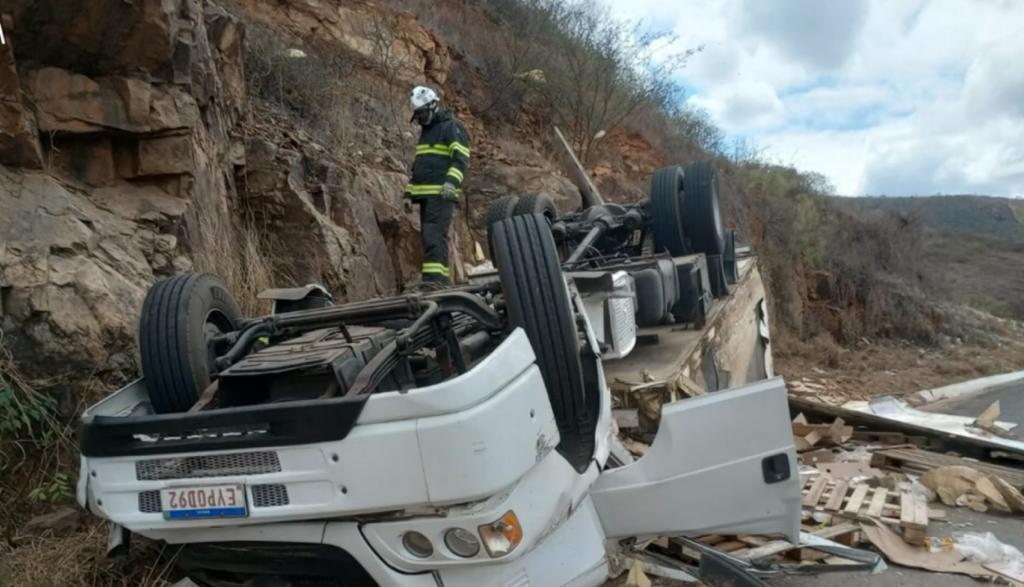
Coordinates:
(702, 217)
(537, 204)
(650, 297)
(538, 302)
(497, 211)
(666, 210)
(180, 314)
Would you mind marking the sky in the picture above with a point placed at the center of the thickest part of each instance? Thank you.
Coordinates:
(883, 97)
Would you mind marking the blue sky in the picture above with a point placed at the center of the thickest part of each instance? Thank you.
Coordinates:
(897, 97)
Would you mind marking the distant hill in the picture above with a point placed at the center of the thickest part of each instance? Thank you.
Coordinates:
(1001, 218)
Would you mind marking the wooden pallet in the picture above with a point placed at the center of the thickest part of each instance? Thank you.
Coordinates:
(918, 461)
(760, 548)
(906, 510)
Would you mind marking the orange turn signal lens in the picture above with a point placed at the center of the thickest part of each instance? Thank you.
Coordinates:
(501, 536)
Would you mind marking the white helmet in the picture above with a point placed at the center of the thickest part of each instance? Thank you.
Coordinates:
(422, 96)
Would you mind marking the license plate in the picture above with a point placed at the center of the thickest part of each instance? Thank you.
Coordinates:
(209, 501)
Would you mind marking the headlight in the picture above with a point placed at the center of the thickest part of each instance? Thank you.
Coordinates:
(501, 536)
(462, 542)
(417, 544)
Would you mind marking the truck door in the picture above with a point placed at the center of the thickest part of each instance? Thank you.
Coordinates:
(721, 463)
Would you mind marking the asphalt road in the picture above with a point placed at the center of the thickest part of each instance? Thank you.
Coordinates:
(1011, 404)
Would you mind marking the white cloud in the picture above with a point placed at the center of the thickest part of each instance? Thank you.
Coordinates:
(909, 97)
(819, 34)
(743, 105)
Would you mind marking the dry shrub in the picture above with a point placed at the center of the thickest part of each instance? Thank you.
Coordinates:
(235, 250)
(37, 449)
(79, 560)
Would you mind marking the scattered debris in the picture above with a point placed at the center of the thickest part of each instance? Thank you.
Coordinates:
(919, 461)
(901, 553)
(835, 433)
(958, 485)
(868, 479)
(987, 550)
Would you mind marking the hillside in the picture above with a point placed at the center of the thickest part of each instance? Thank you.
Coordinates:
(997, 218)
(269, 142)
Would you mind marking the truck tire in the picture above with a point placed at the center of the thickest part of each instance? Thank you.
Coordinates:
(537, 204)
(666, 210)
(650, 297)
(537, 301)
(179, 315)
(497, 211)
(702, 217)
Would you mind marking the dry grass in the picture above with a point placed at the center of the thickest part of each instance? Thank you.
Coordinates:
(79, 560)
(235, 250)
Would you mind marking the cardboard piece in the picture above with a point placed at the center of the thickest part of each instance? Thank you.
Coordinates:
(901, 553)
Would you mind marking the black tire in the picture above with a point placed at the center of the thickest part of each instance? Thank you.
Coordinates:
(702, 216)
(537, 204)
(497, 211)
(179, 314)
(666, 210)
(538, 302)
(729, 258)
(650, 297)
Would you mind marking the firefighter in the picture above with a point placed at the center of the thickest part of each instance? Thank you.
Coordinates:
(442, 155)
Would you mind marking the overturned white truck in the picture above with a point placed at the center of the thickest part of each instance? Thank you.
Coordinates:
(462, 437)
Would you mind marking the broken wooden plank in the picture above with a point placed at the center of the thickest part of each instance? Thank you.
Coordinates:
(814, 494)
(877, 502)
(859, 493)
(779, 546)
(913, 518)
(926, 460)
(838, 495)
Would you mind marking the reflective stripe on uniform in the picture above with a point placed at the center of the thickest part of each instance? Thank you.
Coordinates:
(435, 269)
(454, 172)
(426, 189)
(441, 149)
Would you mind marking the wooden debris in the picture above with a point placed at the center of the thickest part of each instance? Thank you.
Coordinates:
(626, 418)
(988, 490)
(905, 510)
(780, 546)
(913, 518)
(848, 470)
(987, 419)
(1011, 494)
(822, 455)
(919, 461)
(637, 577)
(835, 433)
(807, 442)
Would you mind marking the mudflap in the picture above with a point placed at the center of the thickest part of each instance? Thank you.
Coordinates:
(721, 463)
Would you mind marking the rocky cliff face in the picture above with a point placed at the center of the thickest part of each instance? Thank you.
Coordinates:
(117, 119)
(131, 148)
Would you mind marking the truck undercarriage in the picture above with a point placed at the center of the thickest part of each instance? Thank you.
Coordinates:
(460, 437)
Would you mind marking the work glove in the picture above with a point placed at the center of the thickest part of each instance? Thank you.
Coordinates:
(407, 205)
(448, 192)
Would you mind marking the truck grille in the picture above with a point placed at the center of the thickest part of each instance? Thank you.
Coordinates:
(270, 495)
(240, 463)
(149, 502)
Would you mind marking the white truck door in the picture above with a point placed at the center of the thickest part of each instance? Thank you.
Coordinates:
(721, 463)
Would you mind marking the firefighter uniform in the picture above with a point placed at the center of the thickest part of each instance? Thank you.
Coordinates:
(442, 156)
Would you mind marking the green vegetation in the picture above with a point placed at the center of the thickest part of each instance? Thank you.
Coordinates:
(998, 218)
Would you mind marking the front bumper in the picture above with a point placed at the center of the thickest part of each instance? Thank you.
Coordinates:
(572, 554)
(460, 441)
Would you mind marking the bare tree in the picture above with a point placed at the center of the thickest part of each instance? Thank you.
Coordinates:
(381, 29)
